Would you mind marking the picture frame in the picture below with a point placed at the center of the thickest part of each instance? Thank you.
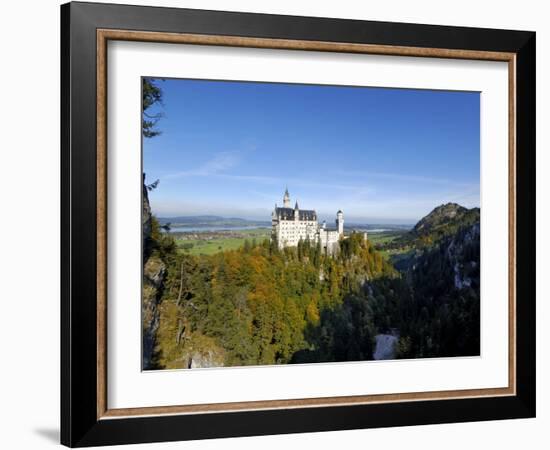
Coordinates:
(86, 29)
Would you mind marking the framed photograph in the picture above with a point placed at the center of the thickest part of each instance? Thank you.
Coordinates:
(276, 224)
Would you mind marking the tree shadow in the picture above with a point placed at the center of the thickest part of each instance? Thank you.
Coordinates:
(435, 320)
(345, 332)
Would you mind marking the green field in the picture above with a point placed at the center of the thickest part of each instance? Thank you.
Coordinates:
(384, 237)
(380, 240)
(208, 243)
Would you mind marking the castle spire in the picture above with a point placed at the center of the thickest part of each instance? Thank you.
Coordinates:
(286, 199)
(296, 205)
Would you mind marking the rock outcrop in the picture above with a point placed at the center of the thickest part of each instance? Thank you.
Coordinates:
(154, 273)
(206, 358)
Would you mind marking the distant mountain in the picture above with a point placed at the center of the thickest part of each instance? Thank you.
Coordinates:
(444, 221)
(445, 215)
(209, 221)
(440, 216)
(189, 219)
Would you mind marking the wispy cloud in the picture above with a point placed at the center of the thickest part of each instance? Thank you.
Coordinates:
(218, 167)
(404, 178)
(220, 163)
(294, 182)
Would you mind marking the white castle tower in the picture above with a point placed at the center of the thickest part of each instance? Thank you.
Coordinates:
(340, 222)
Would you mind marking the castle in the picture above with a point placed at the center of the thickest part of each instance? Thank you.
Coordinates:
(290, 225)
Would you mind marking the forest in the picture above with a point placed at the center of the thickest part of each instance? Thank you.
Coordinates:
(259, 305)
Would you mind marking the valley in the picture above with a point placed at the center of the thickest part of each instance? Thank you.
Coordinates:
(232, 297)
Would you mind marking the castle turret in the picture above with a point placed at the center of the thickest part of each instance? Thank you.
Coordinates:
(340, 222)
(286, 199)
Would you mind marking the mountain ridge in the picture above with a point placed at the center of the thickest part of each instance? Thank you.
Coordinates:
(443, 221)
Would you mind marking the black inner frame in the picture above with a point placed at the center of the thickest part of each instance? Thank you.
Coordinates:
(79, 423)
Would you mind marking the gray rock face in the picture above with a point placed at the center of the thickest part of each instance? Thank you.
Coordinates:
(385, 346)
(146, 222)
(455, 252)
(154, 273)
(209, 358)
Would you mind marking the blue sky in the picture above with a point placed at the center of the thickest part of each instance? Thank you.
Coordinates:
(381, 155)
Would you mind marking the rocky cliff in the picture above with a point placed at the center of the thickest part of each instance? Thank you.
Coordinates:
(154, 273)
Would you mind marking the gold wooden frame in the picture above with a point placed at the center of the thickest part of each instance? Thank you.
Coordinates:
(103, 36)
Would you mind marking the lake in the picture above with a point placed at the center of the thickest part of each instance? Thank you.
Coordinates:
(206, 228)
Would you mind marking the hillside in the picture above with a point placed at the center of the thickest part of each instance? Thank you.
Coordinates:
(440, 261)
(445, 281)
(443, 221)
(260, 305)
(439, 217)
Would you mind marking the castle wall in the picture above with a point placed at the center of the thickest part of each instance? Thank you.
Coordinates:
(289, 232)
(329, 240)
